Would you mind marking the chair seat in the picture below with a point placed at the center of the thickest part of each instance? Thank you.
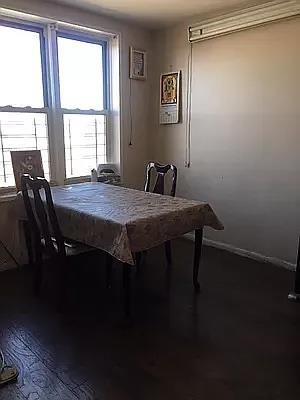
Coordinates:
(72, 247)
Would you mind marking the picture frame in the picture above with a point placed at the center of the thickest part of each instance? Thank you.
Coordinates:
(170, 98)
(170, 88)
(26, 162)
(138, 64)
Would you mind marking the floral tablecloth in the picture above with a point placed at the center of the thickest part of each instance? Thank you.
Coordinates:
(123, 221)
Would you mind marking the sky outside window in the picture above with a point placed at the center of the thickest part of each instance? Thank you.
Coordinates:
(21, 83)
(80, 74)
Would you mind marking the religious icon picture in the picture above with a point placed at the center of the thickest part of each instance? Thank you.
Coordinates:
(169, 97)
(169, 88)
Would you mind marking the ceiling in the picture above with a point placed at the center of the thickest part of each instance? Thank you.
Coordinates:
(157, 14)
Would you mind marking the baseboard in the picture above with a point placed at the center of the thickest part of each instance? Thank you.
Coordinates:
(245, 253)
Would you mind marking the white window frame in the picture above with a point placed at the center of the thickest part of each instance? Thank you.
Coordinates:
(52, 107)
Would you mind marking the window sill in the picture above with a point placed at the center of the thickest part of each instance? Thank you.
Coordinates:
(80, 179)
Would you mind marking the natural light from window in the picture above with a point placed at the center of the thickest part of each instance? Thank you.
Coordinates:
(30, 90)
(21, 83)
(80, 74)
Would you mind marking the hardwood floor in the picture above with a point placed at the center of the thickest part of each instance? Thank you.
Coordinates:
(239, 339)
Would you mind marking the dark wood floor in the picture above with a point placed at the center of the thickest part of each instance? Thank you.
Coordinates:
(239, 339)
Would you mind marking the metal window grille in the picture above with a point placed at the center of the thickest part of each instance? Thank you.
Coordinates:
(21, 131)
(85, 143)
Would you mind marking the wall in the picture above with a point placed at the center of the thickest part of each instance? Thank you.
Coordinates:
(245, 139)
(133, 157)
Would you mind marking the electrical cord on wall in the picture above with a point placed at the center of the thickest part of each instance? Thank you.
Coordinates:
(130, 114)
(188, 109)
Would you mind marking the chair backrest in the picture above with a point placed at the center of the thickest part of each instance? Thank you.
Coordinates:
(41, 214)
(161, 171)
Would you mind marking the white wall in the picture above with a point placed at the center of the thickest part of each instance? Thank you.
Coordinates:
(245, 138)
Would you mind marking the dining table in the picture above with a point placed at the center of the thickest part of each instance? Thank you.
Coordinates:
(124, 222)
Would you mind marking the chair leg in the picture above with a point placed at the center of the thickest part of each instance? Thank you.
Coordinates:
(109, 263)
(168, 251)
(63, 277)
(28, 241)
(38, 272)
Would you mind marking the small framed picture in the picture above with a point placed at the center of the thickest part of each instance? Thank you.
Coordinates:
(138, 64)
(26, 162)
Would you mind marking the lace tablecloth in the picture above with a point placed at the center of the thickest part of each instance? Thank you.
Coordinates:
(123, 221)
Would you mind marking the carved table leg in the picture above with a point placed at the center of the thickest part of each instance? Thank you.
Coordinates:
(197, 257)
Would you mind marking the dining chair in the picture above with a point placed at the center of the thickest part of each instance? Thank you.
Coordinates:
(26, 162)
(295, 294)
(48, 243)
(159, 188)
(161, 172)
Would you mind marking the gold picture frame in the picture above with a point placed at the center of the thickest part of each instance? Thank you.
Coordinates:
(169, 88)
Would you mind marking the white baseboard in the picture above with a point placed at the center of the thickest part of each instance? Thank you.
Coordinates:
(245, 253)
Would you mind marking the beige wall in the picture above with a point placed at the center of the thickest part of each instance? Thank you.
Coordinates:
(133, 157)
(245, 132)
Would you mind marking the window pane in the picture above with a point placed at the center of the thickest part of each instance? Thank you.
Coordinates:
(21, 82)
(21, 131)
(80, 74)
(85, 143)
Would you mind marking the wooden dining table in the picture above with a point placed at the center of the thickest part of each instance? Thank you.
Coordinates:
(124, 222)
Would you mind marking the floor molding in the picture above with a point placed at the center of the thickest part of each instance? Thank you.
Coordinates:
(245, 253)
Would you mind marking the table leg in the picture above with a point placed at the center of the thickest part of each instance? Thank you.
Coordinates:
(108, 262)
(295, 295)
(197, 257)
(168, 251)
(127, 289)
(138, 261)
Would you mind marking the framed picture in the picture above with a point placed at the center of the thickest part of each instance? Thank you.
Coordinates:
(170, 98)
(169, 88)
(26, 162)
(138, 64)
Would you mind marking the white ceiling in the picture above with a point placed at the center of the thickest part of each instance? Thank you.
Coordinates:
(158, 13)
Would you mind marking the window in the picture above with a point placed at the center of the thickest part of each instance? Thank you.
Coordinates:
(22, 91)
(54, 96)
(81, 77)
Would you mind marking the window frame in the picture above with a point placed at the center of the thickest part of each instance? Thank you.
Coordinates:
(86, 38)
(38, 28)
(48, 33)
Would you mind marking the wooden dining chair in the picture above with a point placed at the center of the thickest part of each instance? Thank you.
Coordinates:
(159, 188)
(161, 172)
(295, 294)
(48, 243)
